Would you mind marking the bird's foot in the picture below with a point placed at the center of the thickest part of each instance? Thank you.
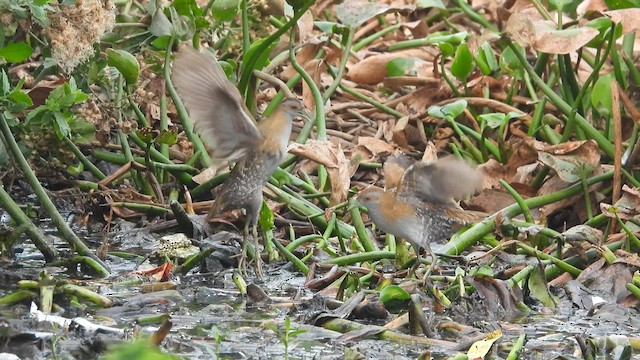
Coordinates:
(242, 261)
(257, 258)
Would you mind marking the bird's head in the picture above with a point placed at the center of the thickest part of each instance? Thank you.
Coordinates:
(370, 198)
(294, 108)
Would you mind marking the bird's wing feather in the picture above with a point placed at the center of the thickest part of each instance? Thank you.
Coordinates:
(440, 182)
(214, 104)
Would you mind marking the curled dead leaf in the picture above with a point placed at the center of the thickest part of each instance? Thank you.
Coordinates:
(332, 157)
(544, 36)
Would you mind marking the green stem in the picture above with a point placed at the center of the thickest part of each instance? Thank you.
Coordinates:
(83, 159)
(249, 64)
(320, 121)
(559, 103)
(476, 232)
(66, 232)
(22, 220)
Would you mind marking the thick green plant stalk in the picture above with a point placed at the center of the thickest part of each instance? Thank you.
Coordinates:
(248, 65)
(567, 109)
(22, 220)
(66, 232)
(83, 159)
(476, 232)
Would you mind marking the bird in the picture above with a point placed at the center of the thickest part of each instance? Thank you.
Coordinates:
(230, 132)
(422, 208)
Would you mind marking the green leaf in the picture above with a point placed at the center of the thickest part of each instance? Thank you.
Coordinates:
(264, 57)
(399, 67)
(353, 14)
(449, 111)
(560, 4)
(126, 64)
(495, 120)
(60, 124)
(161, 42)
(622, 4)
(187, 8)
(393, 292)
(160, 24)
(601, 94)
(75, 170)
(328, 27)
(183, 26)
(538, 288)
(140, 350)
(145, 134)
(453, 39)
(447, 49)
(20, 97)
(486, 59)
(462, 64)
(168, 137)
(394, 297)
(603, 25)
(427, 4)
(16, 52)
(225, 10)
(266, 219)
(509, 61)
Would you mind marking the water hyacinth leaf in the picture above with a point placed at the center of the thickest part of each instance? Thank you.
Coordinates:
(394, 297)
(462, 64)
(160, 24)
(225, 10)
(601, 94)
(486, 59)
(496, 120)
(538, 288)
(126, 64)
(399, 67)
(449, 111)
(447, 49)
(16, 52)
(622, 4)
(427, 4)
(354, 13)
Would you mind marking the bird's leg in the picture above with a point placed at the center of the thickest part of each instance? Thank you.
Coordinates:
(257, 258)
(434, 261)
(242, 263)
(416, 265)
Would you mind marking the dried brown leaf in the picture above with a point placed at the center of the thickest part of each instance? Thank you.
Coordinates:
(332, 157)
(373, 69)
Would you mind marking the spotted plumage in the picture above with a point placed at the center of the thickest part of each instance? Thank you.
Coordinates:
(221, 118)
(422, 209)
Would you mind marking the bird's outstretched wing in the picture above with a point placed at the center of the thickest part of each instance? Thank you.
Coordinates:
(394, 168)
(214, 104)
(440, 182)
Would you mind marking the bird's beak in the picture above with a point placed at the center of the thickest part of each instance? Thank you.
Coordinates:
(304, 115)
(353, 204)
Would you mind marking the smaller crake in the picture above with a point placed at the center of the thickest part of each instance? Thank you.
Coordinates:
(422, 208)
